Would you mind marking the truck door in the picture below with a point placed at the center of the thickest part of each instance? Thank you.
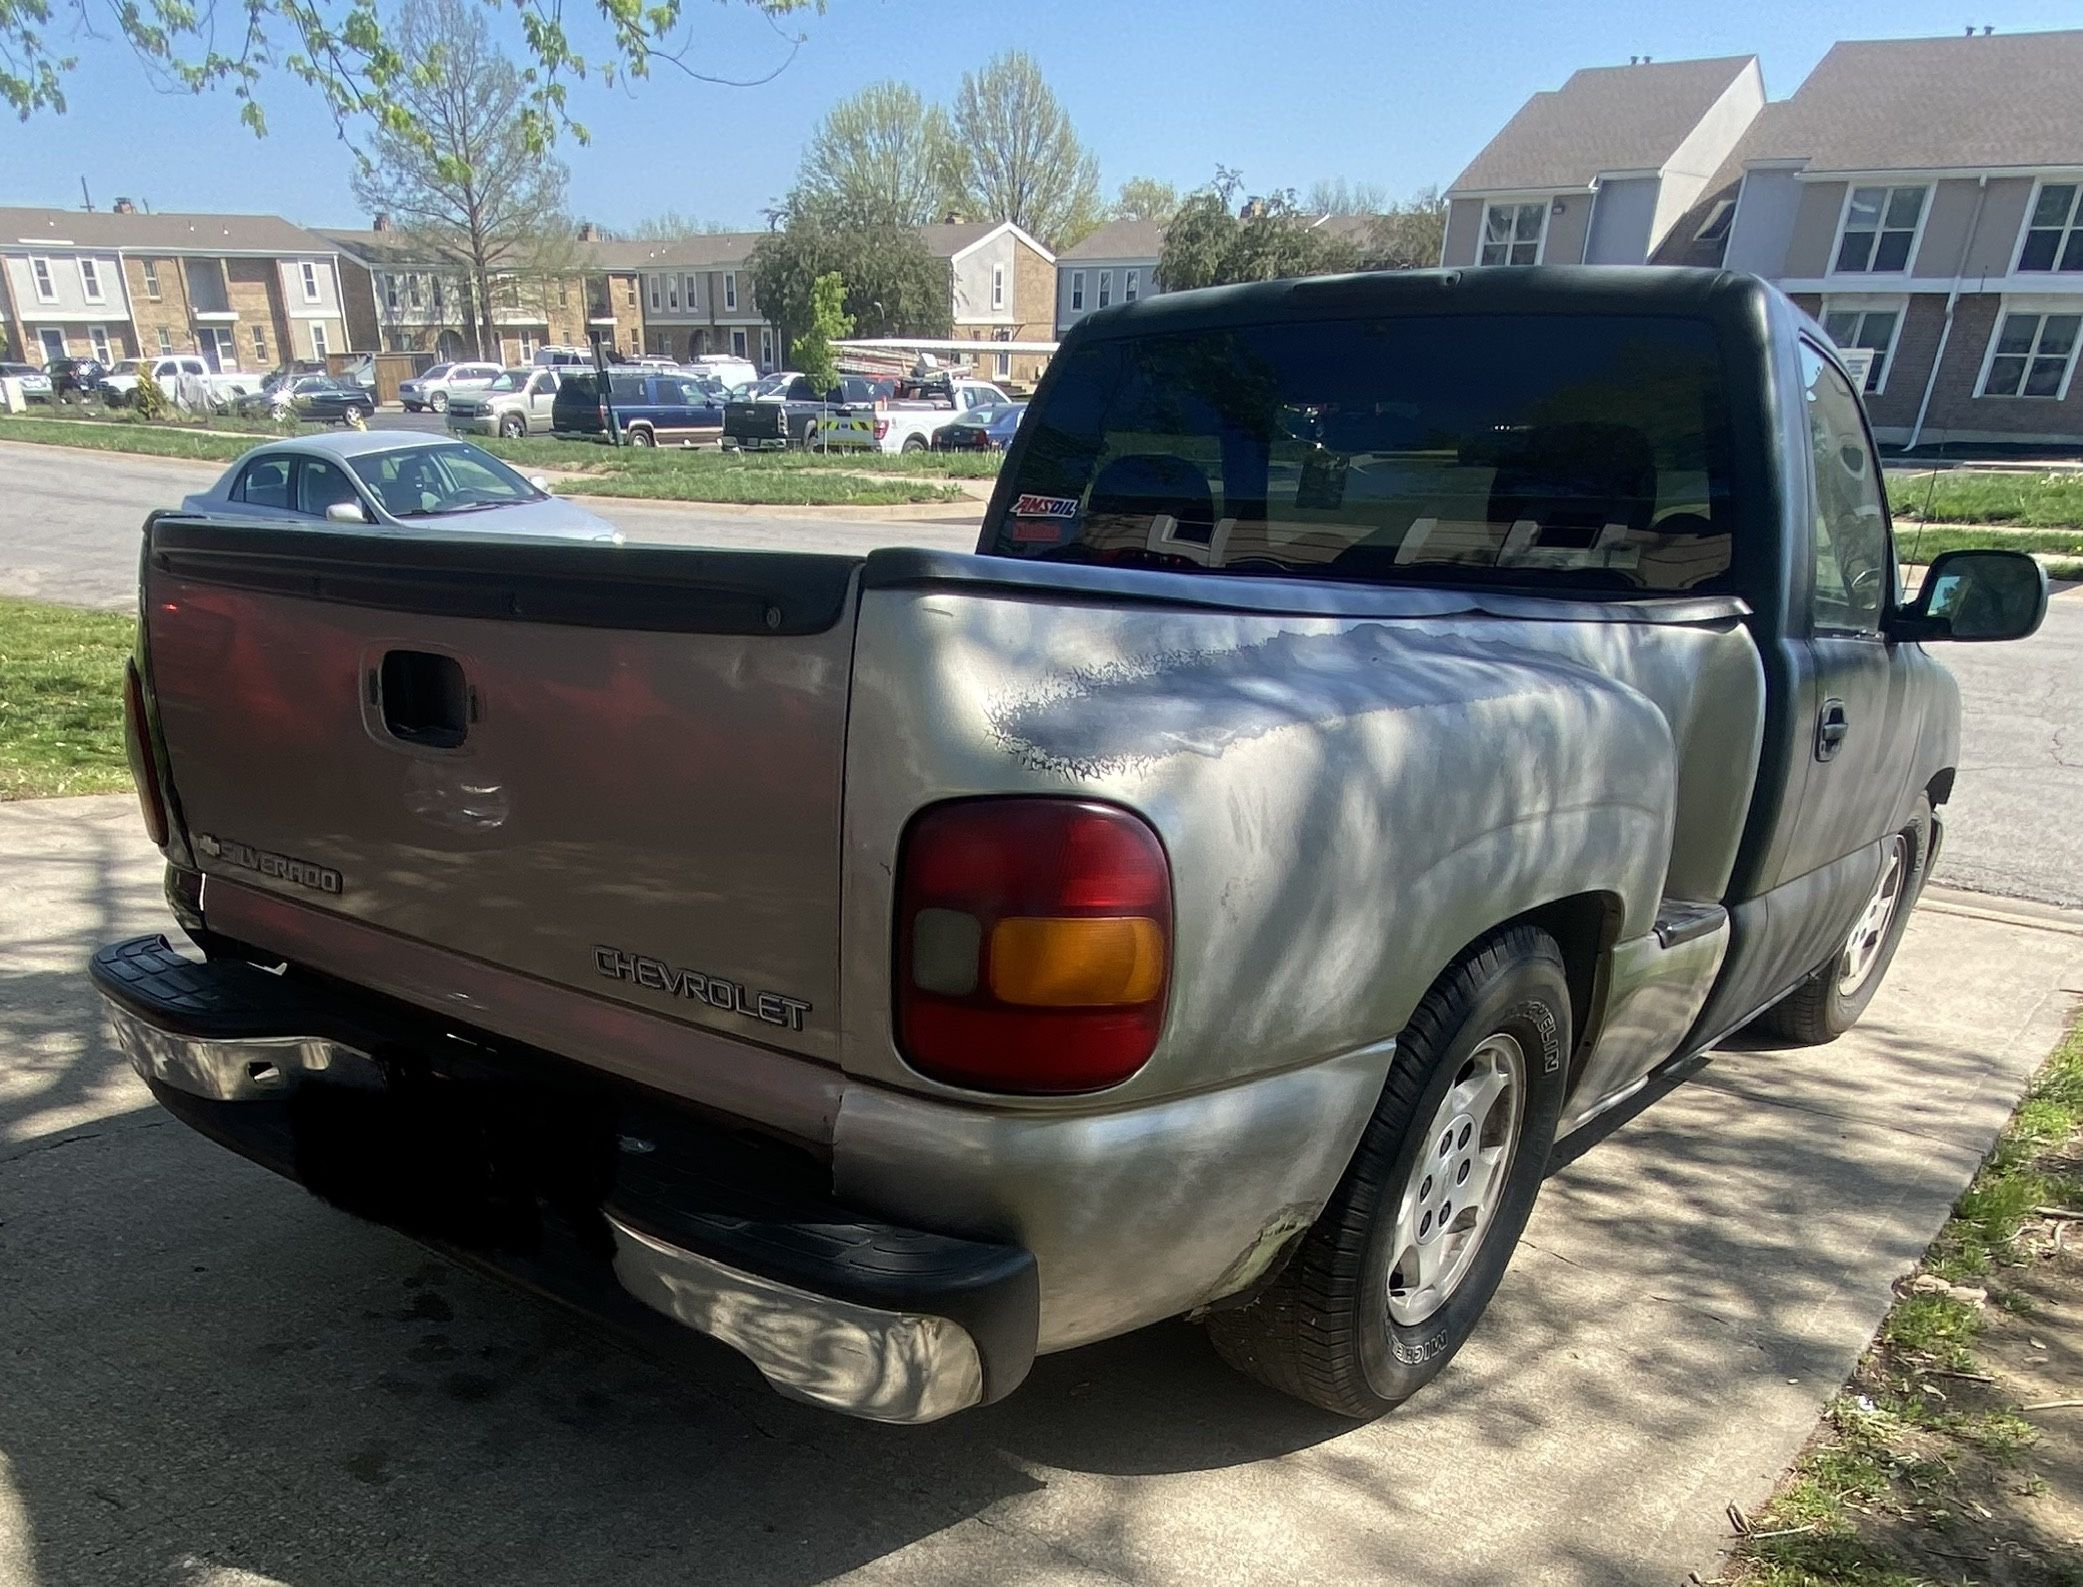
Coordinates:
(1862, 734)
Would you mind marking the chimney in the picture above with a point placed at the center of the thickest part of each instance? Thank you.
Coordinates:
(953, 217)
(381, 221)
(1970, 30)
(1251, 209)
(123, 206)
(1987, 30)
(588, 232)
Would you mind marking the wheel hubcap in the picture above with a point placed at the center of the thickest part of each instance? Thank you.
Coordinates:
(1863, 948)
(1450, 1199)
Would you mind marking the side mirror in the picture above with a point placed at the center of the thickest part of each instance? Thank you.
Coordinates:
(347, 512)
(541, 482)
(1978, 596)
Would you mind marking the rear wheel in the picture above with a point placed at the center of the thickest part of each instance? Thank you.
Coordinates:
(439, 402)
(641, 437)
(914, 443)
(1829, 1003)
(1388, 1283)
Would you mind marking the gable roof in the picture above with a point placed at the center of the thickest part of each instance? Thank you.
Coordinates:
(1605, 118)
(1934, 104)
(163, 233)
(1120, 239)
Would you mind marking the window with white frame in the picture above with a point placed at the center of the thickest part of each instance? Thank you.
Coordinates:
(1870, 326)
(1131, 285)
(260, 344)
(2032, 354)
(1106, 287)
(151, 270)
(90, 280)
(998, 286)
(766, 348)
(318, 340)
(1880, 227)
(687, 290)
(1715, 225)
(2054, 229)
(737, 343)
(390, 292)
(657, 293)
(46, 289)
(166, 341)
(1077, 291)
(416, 290)
(730, 295)
(309, 269)
(672, 293)
(1513, 233)
(97, 338)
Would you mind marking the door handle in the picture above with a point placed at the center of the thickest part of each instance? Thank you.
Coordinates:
(1832, 727)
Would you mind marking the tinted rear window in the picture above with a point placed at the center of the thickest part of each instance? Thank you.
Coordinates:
(1581, 452)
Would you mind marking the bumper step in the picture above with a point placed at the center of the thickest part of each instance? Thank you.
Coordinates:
(726, 1232)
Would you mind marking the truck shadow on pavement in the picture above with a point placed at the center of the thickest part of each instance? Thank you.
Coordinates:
(206, 1371)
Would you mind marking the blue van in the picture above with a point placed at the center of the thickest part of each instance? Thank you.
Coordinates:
(652, 408)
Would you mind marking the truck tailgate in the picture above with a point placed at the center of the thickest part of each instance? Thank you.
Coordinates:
(612, 768)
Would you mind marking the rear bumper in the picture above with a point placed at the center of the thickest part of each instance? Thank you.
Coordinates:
(862, 1316)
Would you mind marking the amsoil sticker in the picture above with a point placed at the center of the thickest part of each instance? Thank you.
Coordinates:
(1045, 507)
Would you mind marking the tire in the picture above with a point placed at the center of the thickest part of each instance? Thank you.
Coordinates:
(914, 443)
(641, 437)
(1330, 1328)
(412, 407)
(513, 426)
(356, 412)
(439, 402)
(1835, 993)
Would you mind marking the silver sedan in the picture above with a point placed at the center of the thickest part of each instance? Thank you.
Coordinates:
(393, 479)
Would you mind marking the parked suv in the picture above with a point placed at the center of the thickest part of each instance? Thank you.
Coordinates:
(73, 379)
(518, 403)
(651, 409)
(433, 387)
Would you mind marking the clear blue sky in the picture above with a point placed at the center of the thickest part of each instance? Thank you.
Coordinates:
(1389, 92)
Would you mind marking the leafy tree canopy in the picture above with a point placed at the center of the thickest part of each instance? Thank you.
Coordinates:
(1213, 241)
(829, 321)
(349, 51)
(880, 158)
(893, 285)
(1016, 157)
(1145, 198)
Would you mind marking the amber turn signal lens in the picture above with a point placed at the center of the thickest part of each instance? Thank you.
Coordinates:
(1092, 962)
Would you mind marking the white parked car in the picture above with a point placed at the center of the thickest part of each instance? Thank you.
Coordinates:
(432, 387)
(393, 479)
(34, 382)
(119, 385)
(732, 370)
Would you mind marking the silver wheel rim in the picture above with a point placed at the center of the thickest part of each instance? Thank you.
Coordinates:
(1862, 949)
(1464, 1161)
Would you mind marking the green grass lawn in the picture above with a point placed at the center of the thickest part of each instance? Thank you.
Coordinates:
(150, 440)
(61, 700)
(2026, 501)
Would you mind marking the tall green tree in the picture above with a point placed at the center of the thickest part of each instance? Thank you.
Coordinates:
(1409, 235)
(880, 158)
(829, 321)
(1144, 198)
(351, 52)
(1340, 197)
(469, 185)
(894, 287)
(1211, 243)
(1017, 157)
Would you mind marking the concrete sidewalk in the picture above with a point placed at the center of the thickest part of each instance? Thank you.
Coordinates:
(206, 1377)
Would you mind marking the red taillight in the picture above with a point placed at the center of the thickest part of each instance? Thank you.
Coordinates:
(882, 427)
(1034, 942)
(144, 771)
(603, 413)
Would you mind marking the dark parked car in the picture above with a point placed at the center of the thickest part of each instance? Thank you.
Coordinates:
(316, 399)
(74, 379)
(783, 419)
(981, 429)
(652, 408)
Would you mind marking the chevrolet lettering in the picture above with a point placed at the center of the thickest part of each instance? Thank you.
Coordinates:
(770, 1008)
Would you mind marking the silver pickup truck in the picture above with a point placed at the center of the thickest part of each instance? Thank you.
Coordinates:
(1386, 719)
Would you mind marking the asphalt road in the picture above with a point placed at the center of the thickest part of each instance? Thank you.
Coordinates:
(209, 1378)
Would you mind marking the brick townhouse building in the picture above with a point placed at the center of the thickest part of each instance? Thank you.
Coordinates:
(245, 291)
(1923, 198)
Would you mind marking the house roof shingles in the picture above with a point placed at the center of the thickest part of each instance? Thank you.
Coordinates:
(1119, 239)
(139, 232)
(1605, 118)
(1957, 103)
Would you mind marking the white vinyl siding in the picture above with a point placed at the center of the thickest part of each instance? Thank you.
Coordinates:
(1877, 234)
(1513, 234)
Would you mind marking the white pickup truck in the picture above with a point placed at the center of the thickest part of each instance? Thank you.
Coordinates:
(901, 424)
(120, 384)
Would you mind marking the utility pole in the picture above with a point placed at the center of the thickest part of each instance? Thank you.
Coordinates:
(86, 197)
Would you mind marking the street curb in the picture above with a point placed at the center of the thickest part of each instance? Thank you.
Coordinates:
(2005, 911)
